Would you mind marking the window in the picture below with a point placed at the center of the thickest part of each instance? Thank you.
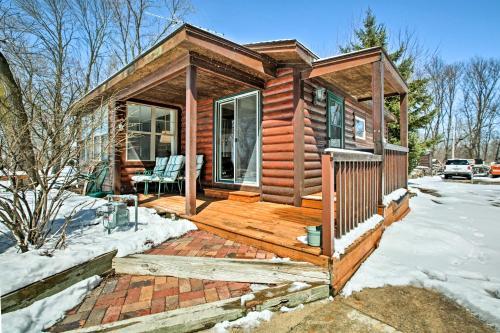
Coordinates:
(95, 135)
(335, 120)
(151, 132)
(359, 128)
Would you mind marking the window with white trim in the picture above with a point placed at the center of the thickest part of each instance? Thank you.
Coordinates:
(151, 132)
(360, 128)
(95, 135)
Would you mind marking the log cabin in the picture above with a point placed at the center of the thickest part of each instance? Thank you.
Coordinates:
(289, 140)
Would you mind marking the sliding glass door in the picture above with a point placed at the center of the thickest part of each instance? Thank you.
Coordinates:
(237, 139)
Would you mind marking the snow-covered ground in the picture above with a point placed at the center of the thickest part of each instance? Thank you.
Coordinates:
(46, 312)
(86, 239)
(450, 242)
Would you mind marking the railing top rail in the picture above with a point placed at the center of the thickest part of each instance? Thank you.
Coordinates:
(390, 146)
(344, 155)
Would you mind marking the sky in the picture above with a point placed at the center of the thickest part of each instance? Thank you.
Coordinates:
(457, 30)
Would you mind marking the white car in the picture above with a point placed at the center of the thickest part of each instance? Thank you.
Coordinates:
(458, 167)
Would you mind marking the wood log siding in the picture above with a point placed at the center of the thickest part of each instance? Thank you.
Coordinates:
(315, 135)
(350, 192)
(204, 137)
(277, 138)
(395, 168)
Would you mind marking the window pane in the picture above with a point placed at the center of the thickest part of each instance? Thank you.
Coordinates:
(139, 118)
(246, 143)
(335, 140)
(163, 149)
(360, 128)
(164, 120)
(336, 114)
(138, 147)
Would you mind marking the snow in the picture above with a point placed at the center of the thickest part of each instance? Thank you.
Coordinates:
(277, 260)
(287, 309)
(302, 239)
(342, 244)
(250, 321)
(254, 287)
(246, 298)
(394, 196)
(449, 242)
(46, 312)
(86, 239)
(296, 286)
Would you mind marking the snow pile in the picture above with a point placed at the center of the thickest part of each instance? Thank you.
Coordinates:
(302, 239)
(246, 298)
(86, 239)
(448, 242)
(342, 244)
(277, 260)
(394, 196)
(250, 321)
(296, 286)
(286, 309)
(46, 312)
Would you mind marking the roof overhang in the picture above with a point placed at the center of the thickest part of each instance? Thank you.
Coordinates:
(352, 73)
(289, 51)
(187, 45)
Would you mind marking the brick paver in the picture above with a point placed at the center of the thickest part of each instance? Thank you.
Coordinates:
(127, 296)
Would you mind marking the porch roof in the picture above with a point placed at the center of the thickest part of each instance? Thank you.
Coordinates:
(352, 72)
(186, 46)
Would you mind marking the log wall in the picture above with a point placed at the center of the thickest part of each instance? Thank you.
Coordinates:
(277, 139)
(315, 133)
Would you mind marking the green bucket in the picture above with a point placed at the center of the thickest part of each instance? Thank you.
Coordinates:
(314, 235)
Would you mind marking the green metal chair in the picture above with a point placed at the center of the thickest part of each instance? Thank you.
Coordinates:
(171, 173)
(95, 180)
(147, 175)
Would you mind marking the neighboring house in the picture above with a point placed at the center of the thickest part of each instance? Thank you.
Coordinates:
(262, 115)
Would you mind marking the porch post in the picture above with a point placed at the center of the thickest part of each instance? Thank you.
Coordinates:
(378, 119)
(403, 130)
(328, 206)
(190, 173)
(403, 119)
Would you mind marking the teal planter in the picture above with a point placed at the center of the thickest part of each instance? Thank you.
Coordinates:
(314, 236)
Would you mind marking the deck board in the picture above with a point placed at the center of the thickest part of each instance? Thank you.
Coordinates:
(270, 226)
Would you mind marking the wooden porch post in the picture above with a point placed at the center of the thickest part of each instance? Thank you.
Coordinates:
(328, 208)
(403, 129)
(378, 119)
(191, 103)
(403, 119)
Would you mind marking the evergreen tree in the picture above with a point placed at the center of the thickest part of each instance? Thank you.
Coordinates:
(373, 34)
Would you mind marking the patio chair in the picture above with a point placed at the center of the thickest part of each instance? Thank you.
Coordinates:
(171, 173)
(199, 165)
(95, 180)
(147, 175)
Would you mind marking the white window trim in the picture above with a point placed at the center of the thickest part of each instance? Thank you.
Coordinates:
(91, 138)
(356, 119)
(153, 134)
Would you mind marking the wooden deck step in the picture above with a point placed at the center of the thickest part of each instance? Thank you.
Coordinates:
(268, 271)
(236, 195)
(313, 201)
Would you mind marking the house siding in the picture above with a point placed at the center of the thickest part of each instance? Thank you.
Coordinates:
(315, 133)
(277, 139)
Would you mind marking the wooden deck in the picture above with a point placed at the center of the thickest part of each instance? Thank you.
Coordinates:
(268, 226)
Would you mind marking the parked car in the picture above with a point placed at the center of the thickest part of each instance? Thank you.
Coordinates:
(458, 167)
(495, 169)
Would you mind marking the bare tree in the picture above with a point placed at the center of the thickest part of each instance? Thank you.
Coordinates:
(452, 76)
(481, 104)
(137, 27)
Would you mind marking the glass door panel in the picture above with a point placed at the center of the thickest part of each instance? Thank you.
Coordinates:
(246, 140)
(226, 141)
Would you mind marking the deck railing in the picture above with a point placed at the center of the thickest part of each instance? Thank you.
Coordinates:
(395, 168)
(350, 190)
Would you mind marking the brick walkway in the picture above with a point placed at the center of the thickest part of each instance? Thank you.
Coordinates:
(127, 296)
